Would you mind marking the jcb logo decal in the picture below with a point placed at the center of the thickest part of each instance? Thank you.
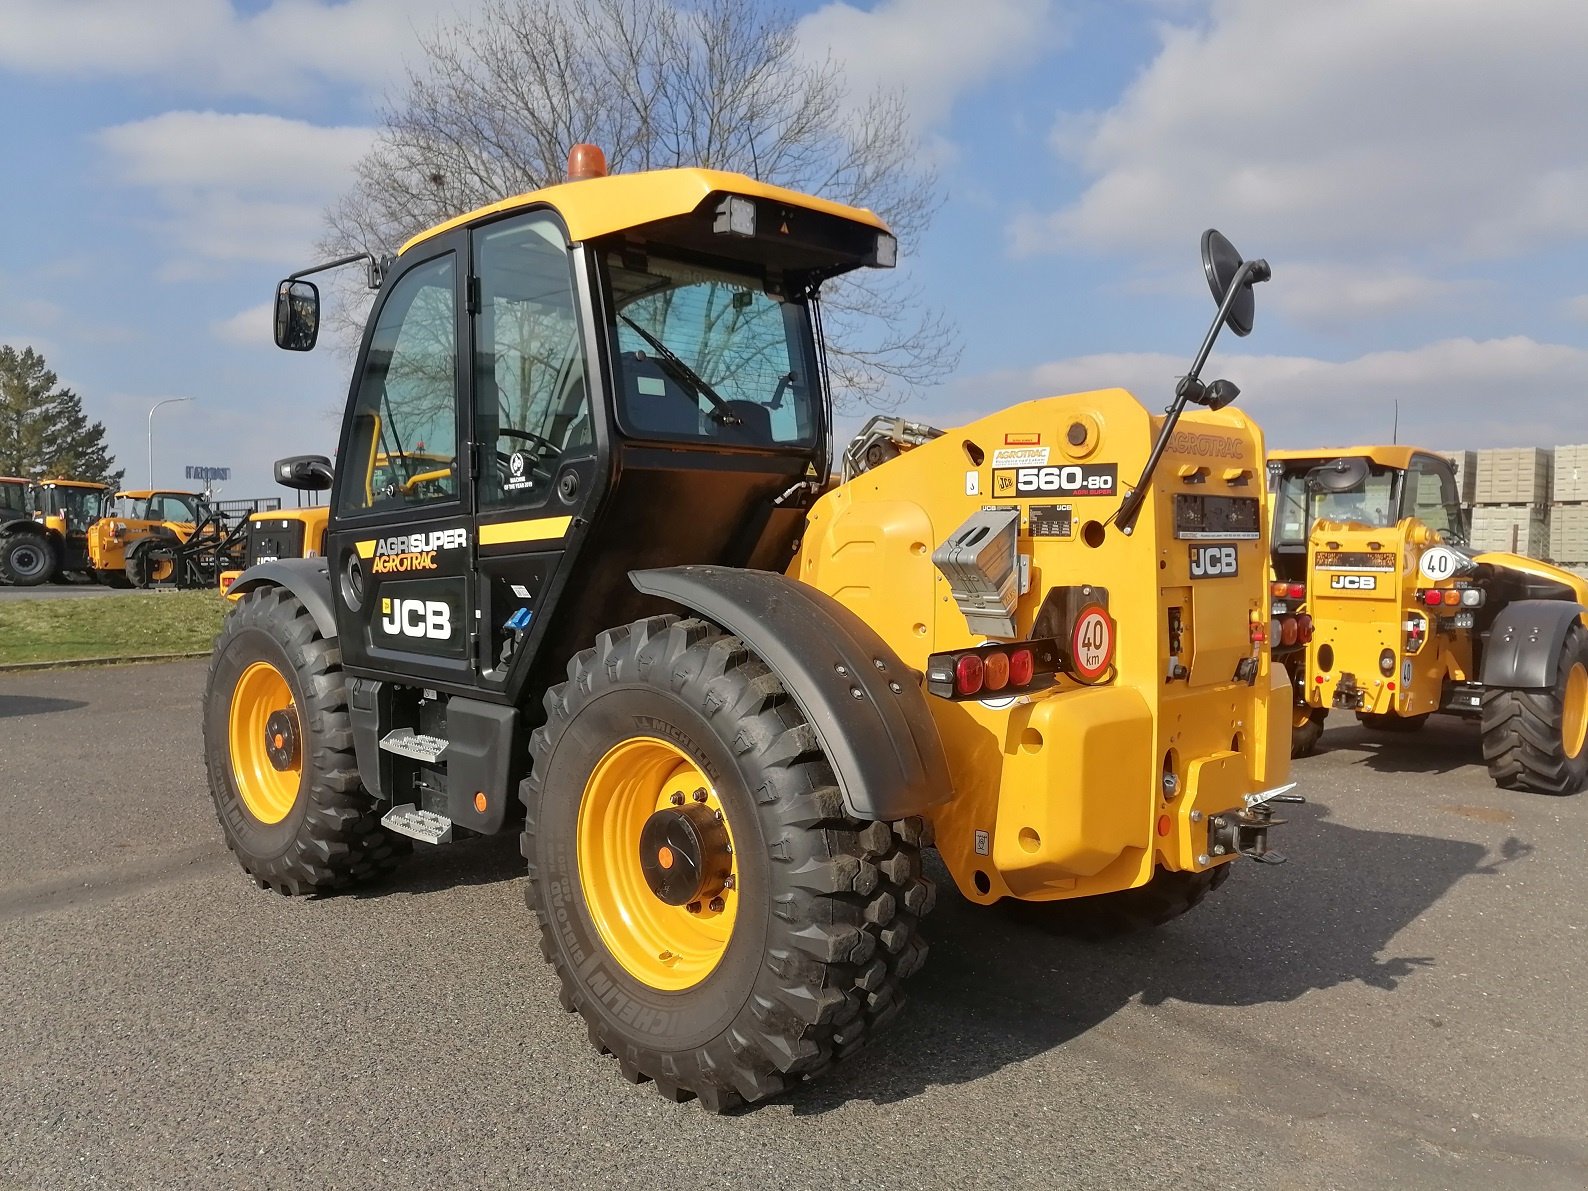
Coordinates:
(1213, 562)
(1354, 582)
(430, 619)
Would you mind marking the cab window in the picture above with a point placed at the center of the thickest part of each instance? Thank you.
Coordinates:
(402, 444)
(532, 407)
(1431, 496)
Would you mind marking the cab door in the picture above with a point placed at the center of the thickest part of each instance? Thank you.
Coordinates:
(400, 546)
(537, 442)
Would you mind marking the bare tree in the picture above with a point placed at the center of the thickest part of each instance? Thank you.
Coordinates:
(501, 97)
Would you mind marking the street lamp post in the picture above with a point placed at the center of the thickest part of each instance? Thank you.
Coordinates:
(152, 408)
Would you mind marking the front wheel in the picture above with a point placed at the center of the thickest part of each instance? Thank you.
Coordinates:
(1534, 739)
(27, 559)
(278, 746)
(722, 925)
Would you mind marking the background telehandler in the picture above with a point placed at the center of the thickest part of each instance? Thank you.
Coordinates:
(51, 538)
(726, 709)
(1381, 608)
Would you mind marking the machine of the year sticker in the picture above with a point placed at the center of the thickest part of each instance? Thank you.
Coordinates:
(586, 579)
(1381, 609)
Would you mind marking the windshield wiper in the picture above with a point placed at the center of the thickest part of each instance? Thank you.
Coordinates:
(684, 373)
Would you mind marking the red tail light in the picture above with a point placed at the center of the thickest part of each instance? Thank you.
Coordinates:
(1297, 591)
(1021, 667)
(1289, 631)
(1303, 629)
(1432, 598)
(969, 672)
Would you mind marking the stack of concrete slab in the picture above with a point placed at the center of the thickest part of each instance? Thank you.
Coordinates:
(1568, 524)
(1571, 475)
(1519, 529)
(1513, 476)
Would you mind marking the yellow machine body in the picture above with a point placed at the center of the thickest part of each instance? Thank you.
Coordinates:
(1079, 789)
(314, 520)
(109, 537)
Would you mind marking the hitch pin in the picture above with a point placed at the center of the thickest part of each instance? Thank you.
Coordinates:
(1277, 794)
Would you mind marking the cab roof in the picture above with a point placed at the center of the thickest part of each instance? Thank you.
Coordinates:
(77, 484)
(14, 480)
(600, 206)
(146, 493)
(1399, 456)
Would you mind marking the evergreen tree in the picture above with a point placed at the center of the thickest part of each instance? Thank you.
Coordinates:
(43, 429)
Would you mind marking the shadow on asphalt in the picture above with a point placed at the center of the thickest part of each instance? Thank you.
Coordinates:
(16, 705)
(1445, 745)
(482, 861)
(997, 990)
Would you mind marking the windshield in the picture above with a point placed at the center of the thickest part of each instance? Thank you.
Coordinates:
(1296, 507)
(162, 506)
(14, 497)
(709, 355)
(79, 505)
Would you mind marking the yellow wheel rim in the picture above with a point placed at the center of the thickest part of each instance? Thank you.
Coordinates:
(1300, 717)
(162, 570)
(663, 946)
(1574, 715)
(267, 791)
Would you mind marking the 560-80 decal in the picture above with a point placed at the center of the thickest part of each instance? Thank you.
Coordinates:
(1098, 479)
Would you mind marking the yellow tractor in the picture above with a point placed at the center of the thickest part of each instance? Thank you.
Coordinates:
(726, 703)
(1386, 612)
(51, 537)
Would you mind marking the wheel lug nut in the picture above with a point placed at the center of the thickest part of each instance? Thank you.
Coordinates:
(729, 881)
(693, 907)
(677, 798)
(719, 816)
(716, 905)
(700, 796)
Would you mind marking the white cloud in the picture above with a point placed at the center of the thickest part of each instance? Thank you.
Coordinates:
(1452, 393)
(247, 328)
(1577, 307)
(932, 50)
(1354, 126)
(235, 187)
(207, 47)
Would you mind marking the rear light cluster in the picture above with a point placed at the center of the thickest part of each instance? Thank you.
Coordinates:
(1450, 597)
(1290, 630)
(993, 671)
(1288, 591)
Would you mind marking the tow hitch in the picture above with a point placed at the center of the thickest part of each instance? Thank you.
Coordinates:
(1246, 831)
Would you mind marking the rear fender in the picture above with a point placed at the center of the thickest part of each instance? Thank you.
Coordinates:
(866, 707)
(1525, 642)
(307, 578)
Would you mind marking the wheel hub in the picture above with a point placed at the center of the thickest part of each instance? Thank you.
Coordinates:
(685, 855)
(281, 739)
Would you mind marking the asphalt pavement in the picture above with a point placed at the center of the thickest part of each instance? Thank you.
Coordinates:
(1399, 1006)
(53, 591)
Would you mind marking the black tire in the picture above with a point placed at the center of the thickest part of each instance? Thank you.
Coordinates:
(1392, 723)
(143, 560)
(1523, 730)
(27, 559)
(831, 905)
(331, 838)
(1162, 899)
(1304, 737)
(116, 579)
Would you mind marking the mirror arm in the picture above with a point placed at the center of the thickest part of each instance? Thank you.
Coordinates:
(377, 267)
(1189, 387)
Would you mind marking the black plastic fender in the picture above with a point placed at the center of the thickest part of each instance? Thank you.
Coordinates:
(1525, 642)
(867, 708)
(307, 578)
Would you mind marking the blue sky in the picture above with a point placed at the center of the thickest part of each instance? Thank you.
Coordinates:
(1416, 171)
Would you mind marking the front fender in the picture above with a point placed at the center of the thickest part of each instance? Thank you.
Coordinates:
(866, 707)
(1525, 642)
(307, 578)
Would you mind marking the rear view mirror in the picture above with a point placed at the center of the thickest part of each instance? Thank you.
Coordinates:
(1221, 262)
(1338, 476)
(297, 315)
(306, 473)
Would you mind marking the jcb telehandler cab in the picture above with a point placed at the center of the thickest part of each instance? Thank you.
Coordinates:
(1381, 608)
(726, 710)
(52, 538)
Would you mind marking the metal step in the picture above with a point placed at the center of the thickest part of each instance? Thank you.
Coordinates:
(426, 826)
(405, 742)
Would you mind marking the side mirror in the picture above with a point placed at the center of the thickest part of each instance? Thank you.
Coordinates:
(1338, 476)
(1221, 262)
(305, 473)
(297, 315)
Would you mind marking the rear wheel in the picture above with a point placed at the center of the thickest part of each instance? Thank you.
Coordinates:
(27, 559)
(1392, 723)
(1162, 899)
(721, 924)
(149, 563)
(1535, 739)
(278, 746)
(1306, 729)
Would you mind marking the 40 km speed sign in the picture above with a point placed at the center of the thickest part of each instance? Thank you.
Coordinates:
(1092, 643)
(1440, 562)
